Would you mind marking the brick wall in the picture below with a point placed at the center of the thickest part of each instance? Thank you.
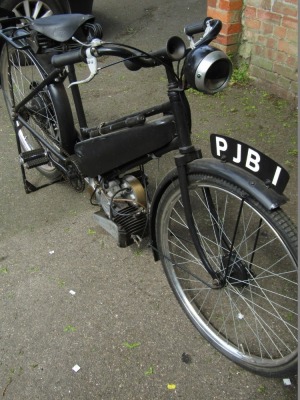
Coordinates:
(230, 13)
(264, 33)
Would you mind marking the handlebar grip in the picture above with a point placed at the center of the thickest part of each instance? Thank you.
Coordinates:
(71, 57)
(197, 27)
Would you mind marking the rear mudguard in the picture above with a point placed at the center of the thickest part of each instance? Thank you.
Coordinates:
(64, 116)
(257, 189)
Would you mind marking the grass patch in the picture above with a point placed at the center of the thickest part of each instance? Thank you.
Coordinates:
(70, 328)
(240, 75)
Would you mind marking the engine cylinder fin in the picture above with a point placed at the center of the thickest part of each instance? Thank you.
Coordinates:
(124, 228)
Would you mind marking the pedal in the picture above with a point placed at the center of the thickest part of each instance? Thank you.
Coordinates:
(34, 158)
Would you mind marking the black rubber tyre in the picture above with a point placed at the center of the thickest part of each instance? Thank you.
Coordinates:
(33, 8)
(252, 317)
(48, 113)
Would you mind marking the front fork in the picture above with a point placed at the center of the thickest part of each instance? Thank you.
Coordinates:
(182, 161)
(188, 153)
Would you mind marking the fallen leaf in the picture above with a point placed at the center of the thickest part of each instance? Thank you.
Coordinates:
(131, 345)
(171, 386)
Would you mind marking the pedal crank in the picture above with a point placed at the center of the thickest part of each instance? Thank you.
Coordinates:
(74, 175)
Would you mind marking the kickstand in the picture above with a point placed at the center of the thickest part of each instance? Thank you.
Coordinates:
(29, 187)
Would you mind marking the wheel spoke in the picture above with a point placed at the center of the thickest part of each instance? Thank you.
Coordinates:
(22, 75)
(253, 318)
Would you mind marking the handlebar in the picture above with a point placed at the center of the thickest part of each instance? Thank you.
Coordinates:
(210, 27)
(197, 27)
(71, 57)
(134, 59)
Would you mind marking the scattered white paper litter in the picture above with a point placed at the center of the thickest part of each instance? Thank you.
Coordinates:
(51, 252)
(287, 382)
(240, 316)
(72, 292)
(76, 368)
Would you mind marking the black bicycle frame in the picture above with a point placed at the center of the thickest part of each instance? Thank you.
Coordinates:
(179, 107)
(187, 153)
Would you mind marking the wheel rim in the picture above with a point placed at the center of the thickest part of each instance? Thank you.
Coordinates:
(32, 9)
(253, 318)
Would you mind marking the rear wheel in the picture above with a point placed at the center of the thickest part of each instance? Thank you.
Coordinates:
(48, 113)
(251, 317)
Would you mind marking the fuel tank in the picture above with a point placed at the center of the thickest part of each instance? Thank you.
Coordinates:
(102, 154)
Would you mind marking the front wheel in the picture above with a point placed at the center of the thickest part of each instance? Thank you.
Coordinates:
(251, 314)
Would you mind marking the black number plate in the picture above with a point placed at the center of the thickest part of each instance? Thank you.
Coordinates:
(250, 159)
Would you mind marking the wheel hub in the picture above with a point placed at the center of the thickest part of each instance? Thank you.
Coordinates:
(237, 273)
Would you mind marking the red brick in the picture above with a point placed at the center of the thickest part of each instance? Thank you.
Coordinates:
(230, 5)
(259, 50)
(267, 28)
(290, 22)
(230, 49)
(252, 24)
(281, 57)
(269, 16)
(215, 13)
(228, 29)
(264, 52)
(292, 61)
(228, 39)
(271, 43)
(235, 16)
(224, 16)
(284, 9)
(288, 47)
(250, 12)
(280, 32)
(262, 40)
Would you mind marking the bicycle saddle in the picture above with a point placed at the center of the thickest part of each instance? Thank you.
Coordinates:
(60, 27)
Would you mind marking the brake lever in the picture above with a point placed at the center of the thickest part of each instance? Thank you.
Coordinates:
(213, 27)
(91, 61)
(210, 28)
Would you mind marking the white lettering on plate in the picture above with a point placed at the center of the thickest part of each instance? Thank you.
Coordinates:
(252, 161)
(221, 145)
(238, 157)
(276, 176)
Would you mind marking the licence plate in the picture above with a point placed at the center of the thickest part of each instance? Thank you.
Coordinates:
(238, 153)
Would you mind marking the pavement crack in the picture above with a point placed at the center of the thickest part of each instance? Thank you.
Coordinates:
(6, 387)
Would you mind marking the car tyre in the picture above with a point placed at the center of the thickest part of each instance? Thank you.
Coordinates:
(33, 8)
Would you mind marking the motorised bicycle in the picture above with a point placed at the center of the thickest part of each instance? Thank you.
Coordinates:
(228, 249)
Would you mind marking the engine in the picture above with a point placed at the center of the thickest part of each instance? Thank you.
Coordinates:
(123, 210)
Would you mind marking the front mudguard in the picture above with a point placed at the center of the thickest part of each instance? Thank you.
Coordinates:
(257, 189)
